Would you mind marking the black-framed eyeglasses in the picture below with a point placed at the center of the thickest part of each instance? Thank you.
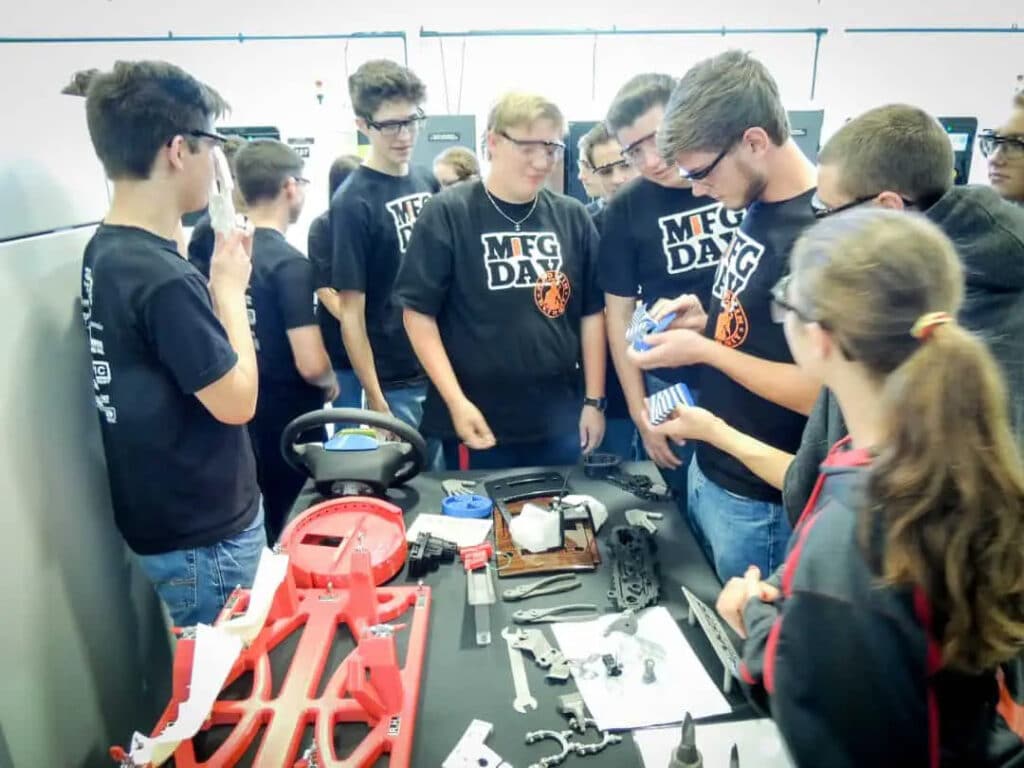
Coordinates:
(554, 150)
(989, 142)
(821, 210)
(702, 173)
(632, 153)
(392, 128)
(781, 304)
(217, 138)
(608, 169)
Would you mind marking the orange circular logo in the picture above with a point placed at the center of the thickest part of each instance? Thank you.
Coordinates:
(732, 327)
(551, 293)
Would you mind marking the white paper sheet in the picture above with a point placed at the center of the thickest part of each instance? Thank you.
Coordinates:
(464, 531)
(269, 574)
(758, 742)
(215, 654)
(682, 685)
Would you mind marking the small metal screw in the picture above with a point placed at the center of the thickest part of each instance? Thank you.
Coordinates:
(649, 671)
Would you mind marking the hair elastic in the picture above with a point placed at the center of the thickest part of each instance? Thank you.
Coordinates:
(927, 323)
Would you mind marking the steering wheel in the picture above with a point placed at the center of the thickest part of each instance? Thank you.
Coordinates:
(380, 465)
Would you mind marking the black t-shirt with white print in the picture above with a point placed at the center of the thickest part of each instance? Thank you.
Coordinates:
(178, 477)
(508, 304)
(319, 250)
(279, 299)
(740, 318)
(371, 220)
(660, 242)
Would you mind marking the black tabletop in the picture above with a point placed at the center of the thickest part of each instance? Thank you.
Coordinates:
(463, 681)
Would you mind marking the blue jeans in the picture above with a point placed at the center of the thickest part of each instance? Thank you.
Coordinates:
(674, 478)
(406, 404)
(553, 452)
(195, 583)
(351, 390)
(735, 532)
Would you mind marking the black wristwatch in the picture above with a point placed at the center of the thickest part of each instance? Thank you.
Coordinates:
(597, 402)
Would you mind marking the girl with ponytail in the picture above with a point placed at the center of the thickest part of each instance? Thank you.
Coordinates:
(901, 606)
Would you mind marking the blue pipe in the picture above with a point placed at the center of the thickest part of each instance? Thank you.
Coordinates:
(1013, 30)
(584, 32)
(241, 37)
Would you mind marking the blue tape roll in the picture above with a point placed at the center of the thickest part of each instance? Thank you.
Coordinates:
(467, 506)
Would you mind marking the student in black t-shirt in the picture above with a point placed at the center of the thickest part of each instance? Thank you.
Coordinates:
(726, 129)
(610, 172)
(501, 298)
(658, 240)
(372, 218)
(585, 174)
(200, 243)
(295, 372)
(328, 308)
(174, 373)
(609, 169)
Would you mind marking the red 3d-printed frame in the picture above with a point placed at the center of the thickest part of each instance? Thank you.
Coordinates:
(368, 686)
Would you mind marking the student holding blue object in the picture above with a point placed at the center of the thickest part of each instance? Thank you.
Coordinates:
(894, 636)
(658, 240)
(726, 128)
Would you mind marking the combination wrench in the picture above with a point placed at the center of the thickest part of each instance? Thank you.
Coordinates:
(523, 700)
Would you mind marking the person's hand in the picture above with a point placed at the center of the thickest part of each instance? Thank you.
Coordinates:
(592, 424)
(670, 349)
(687, 422)
(471, 426)
(689, 311)
(332, 390)
(231, 263)
(656, 445)
(378, 404)
(738, 592)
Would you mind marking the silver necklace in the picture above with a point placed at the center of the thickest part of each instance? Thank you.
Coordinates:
(513, 222)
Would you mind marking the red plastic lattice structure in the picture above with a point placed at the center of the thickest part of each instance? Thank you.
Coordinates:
(369, 686)
(320, 542)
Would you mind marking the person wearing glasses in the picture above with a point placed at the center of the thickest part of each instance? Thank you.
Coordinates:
(658, 241)
(608, 168)
(585, 174)
(173, 362)
(1004, 150)
(502, 304)
(855, 171)
(610, 171)
(455, 164)
(296, 375)
(895, 638)
(726, 129)
(200, 242)
(372, 219)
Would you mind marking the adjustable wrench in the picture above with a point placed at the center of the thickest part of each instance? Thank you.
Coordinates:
(523, 700)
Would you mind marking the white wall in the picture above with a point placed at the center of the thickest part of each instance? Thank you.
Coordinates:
(274, 82)
(81, 647)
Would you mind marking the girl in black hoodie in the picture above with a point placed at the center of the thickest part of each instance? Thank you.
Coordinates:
(900, 618)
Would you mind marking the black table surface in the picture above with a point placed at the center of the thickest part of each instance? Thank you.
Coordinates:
(463, 681)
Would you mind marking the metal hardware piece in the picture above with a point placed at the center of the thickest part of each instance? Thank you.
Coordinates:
(562, 737)
(572, 612)
(649, 677)
(544, 654)
(552, 585)
(523, 699)
(643, 519)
